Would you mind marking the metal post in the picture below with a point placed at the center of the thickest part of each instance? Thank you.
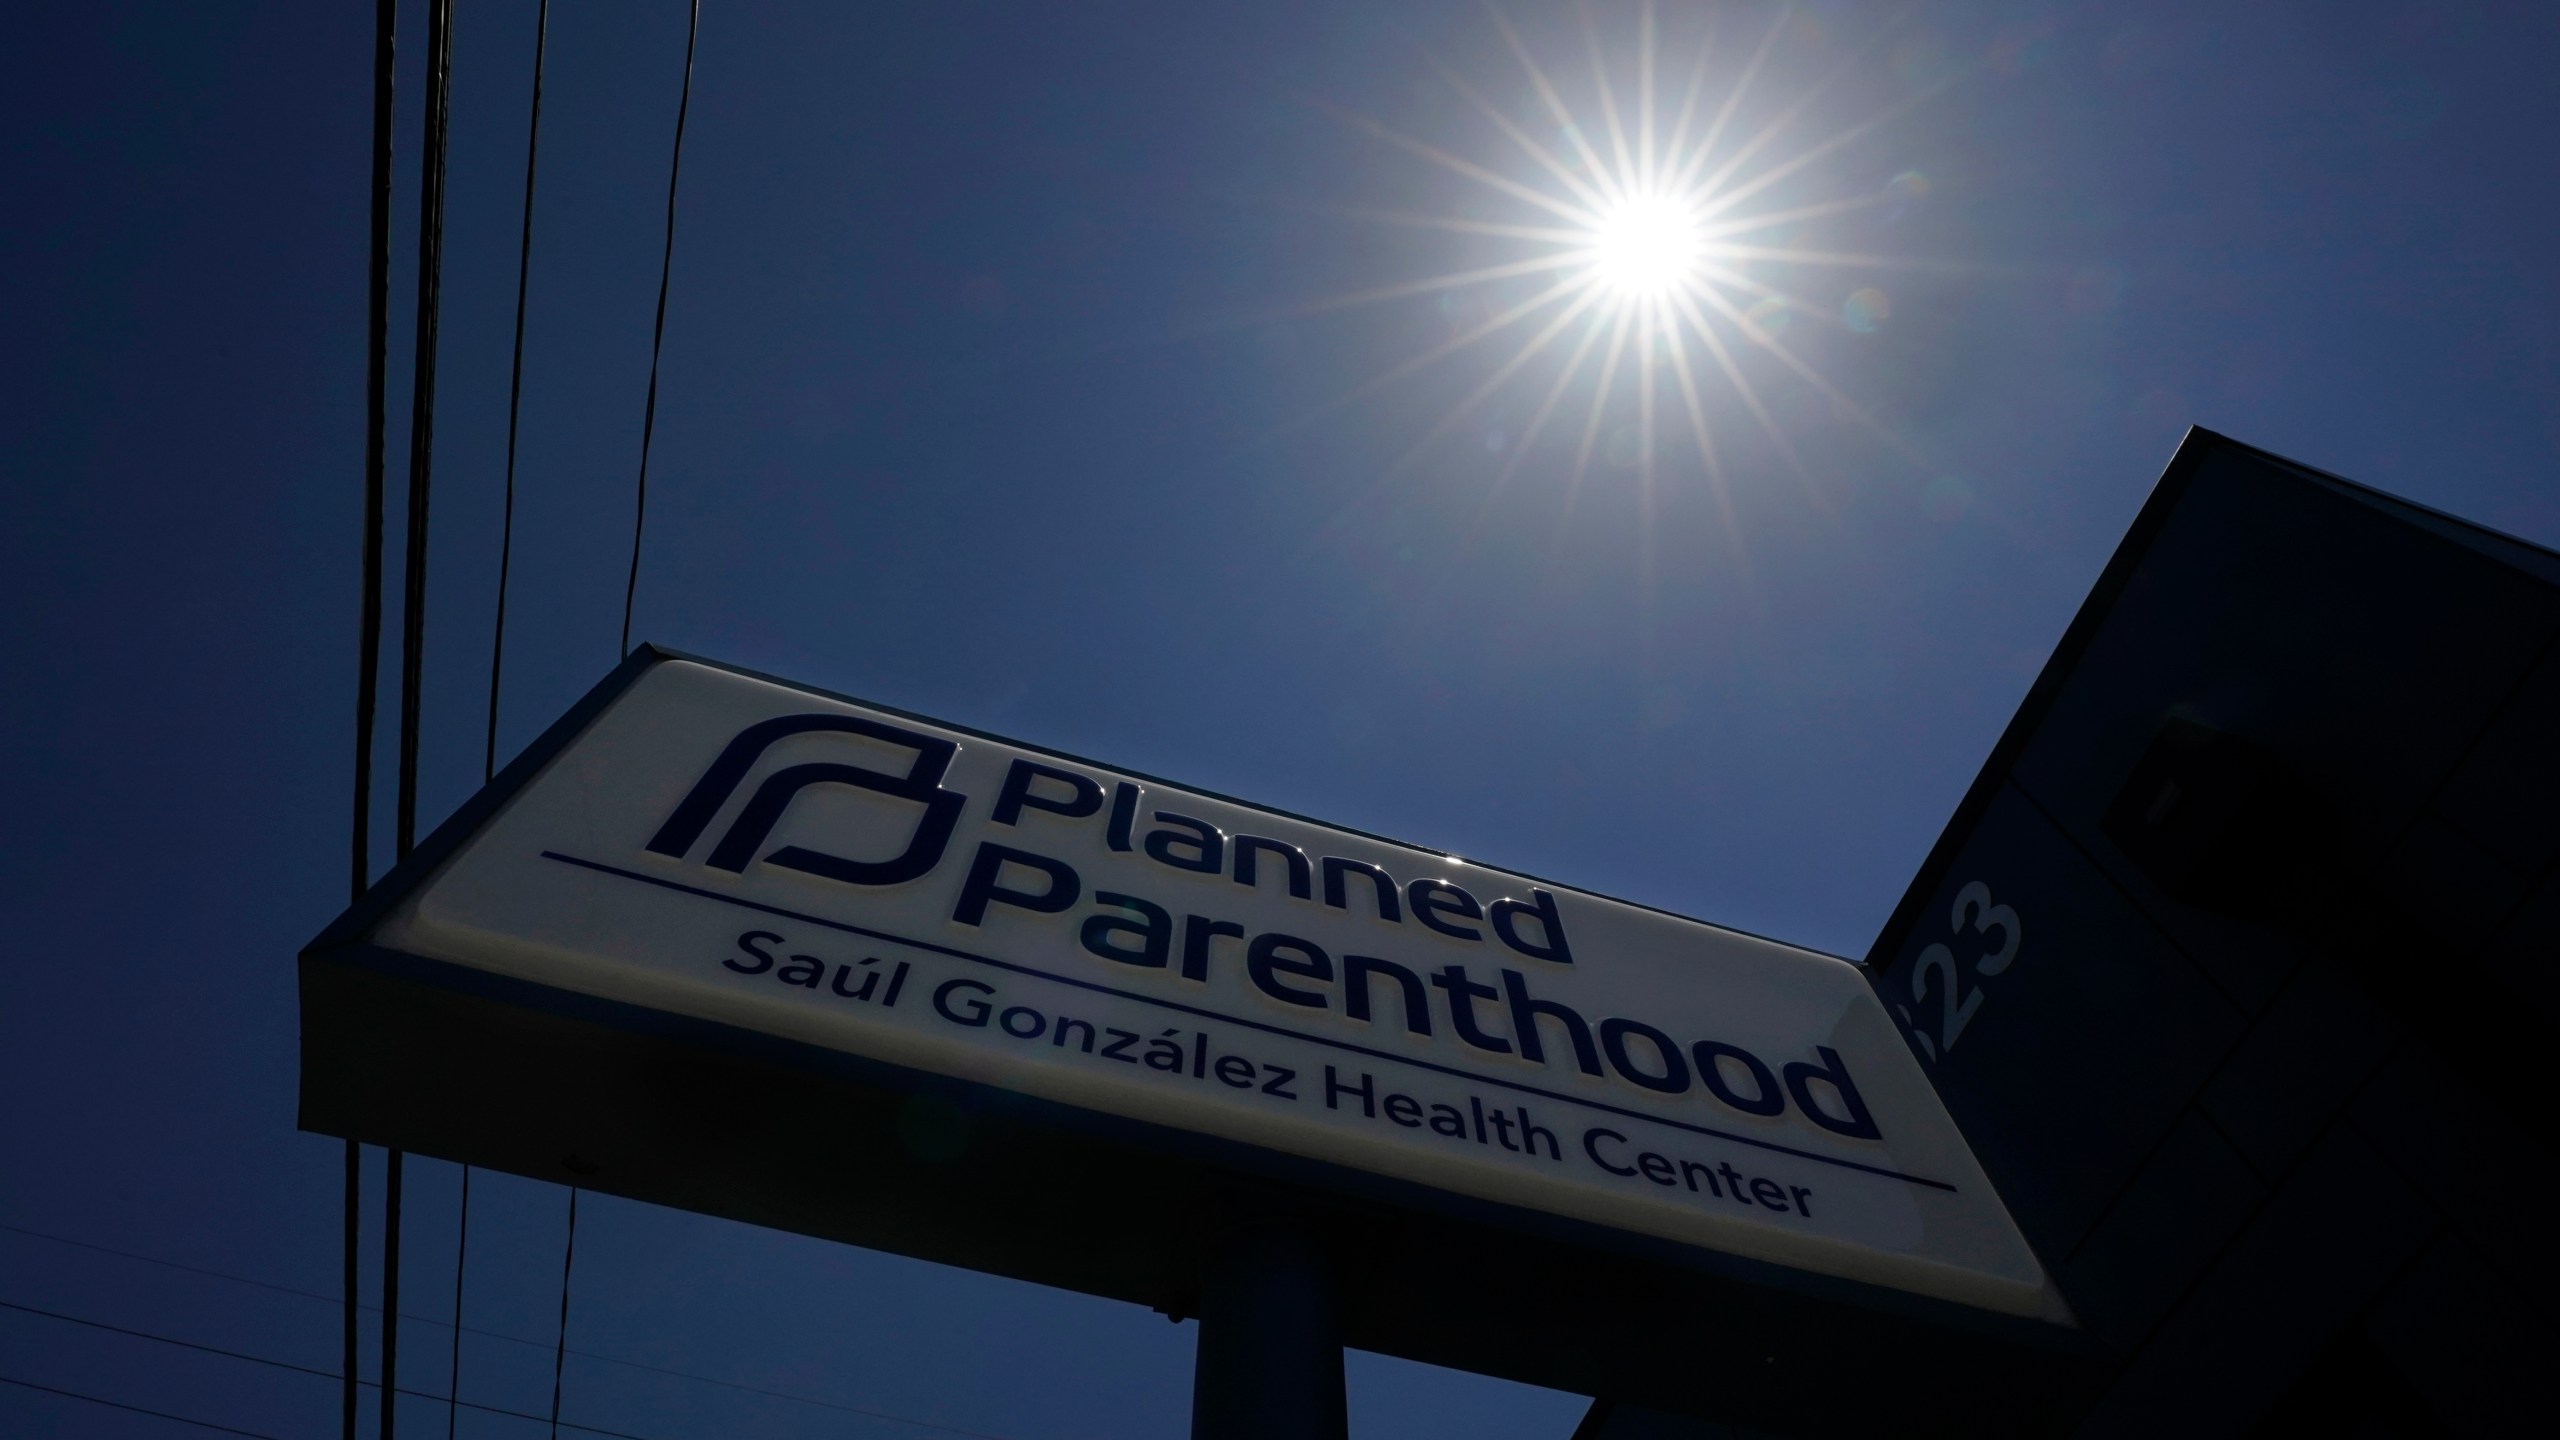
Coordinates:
(1269, 1360)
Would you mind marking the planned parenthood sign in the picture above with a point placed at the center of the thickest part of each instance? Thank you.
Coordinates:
(725, 847)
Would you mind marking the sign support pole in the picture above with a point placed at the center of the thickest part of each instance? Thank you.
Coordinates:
(1269, 1360)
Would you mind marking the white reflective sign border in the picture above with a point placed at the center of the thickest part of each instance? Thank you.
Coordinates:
(727, 847)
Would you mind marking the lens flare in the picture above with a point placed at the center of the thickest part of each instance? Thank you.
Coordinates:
(1667, 248)
(1646, 246)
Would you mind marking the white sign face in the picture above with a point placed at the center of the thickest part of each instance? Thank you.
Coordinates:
(722, 846)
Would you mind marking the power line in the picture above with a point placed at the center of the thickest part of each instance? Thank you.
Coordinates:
(165, 1339)
(658, 335)
(448, 1397)
(639, 523)
(288, 1365)
(137, 1409)
(422, 413)
(413, 1318)
(386, 17)
(180, 1265)
(377, 358)
(461, 1251)
(390, 1283)
(413, 605)
(349, 1283)
(498, 627)
(515, 386)
(560, 1351)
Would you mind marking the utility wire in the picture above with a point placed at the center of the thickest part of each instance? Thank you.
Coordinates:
(283, 1365)
(498, 629)
(390, 1283)
(418, 1319)
(349, 1283)
(515, 386)
(386, 15)
(422, 412)
(560, 1351)
(658, 334)
(413, 609)
(178, 1265)
(137, 1409)
(631, 585)
(461, 1252)
(377, 356)
(90, 1324)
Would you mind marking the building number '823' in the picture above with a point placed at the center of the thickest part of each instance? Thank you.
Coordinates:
(1976, 917)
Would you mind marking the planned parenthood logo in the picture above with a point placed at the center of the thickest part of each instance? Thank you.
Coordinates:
(922, 783)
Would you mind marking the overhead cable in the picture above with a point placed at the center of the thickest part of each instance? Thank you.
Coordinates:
(386, 16)
(515, 388)
(422, 413)
(390, 1283)
(413, 607)
(136, 1409)
(498, 627)
(597, 1355)
(377, 354)
(461, 1253)
(349, 1282)
(658, 333)
(274, 1364)
(560, 1351)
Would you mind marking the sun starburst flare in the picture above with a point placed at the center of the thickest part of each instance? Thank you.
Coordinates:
(1655, 237)
(1645, 246)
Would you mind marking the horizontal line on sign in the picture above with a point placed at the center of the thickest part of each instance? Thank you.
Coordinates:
(1266, 1027)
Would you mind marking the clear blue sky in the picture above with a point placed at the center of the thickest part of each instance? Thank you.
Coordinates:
(995, 388)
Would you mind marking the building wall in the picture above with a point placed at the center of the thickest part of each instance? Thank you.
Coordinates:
(2260, 1058)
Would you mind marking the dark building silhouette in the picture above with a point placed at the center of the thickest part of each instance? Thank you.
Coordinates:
(2240, 966)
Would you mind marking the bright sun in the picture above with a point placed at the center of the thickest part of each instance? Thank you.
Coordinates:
(1645, 246)
(1662, 231)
